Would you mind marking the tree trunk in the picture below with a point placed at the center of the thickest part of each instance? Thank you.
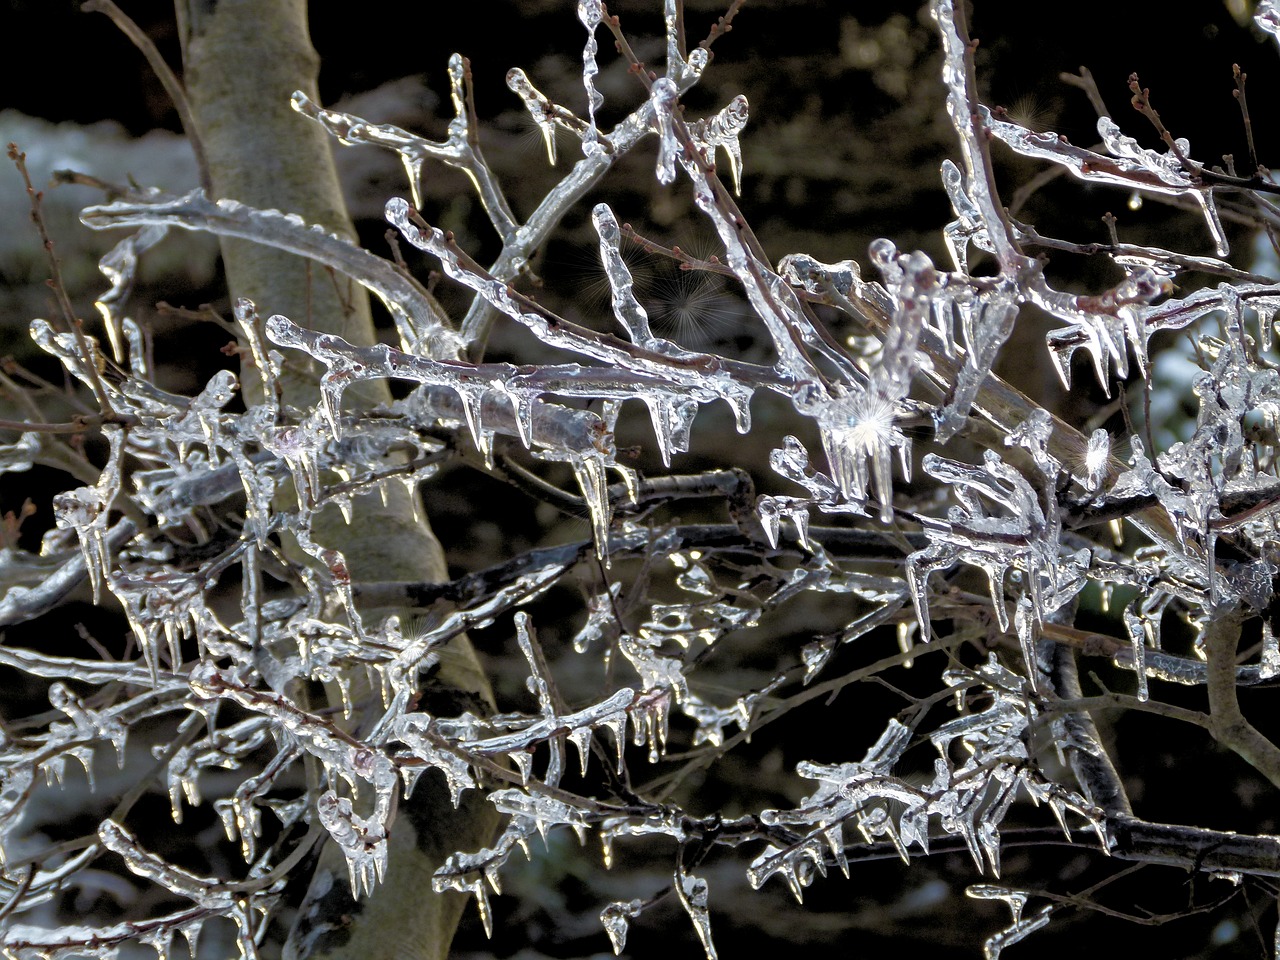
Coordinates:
(242, 61)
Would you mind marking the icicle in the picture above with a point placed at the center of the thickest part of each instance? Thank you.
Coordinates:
(1137, 630)
(540, 109)
(363, 842)
(664, 96)
(617, 726)
(482, 907)
(267, 362)
(672, 422)
(1025, 624)
(591, 12)
(85, 510)
(120, 266)
(722, 130)
(692, 892)
(615, 919)
(1096, 460)
(589, 471)
(626, 308)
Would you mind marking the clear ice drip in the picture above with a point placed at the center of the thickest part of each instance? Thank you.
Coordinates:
(722, 130)
(616, 918)
(858, 428)
(545, 114)
(692, 892)
(120, 266)
(86, 510)
(664, 96)
(590, 13)
(363, 841)
(459, 150)
(626, 307)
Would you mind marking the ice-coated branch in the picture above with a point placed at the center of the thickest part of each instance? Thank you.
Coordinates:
(421, 323)
(521, 387)
(545, 114)
(1128, 165)
(576, 184)
(978, 182)
(562, 333)
(20, 604)
(203, 891)
(773, 301)
(461, 150)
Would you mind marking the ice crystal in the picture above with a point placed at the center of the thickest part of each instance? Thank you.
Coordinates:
(616, 919)
(722, 130)
(591, 12)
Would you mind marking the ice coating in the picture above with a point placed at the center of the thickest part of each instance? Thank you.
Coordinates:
(626, 307)
(976, 534)
(86, 511)
(722, 130)
(460, 150)
(545, 114)
(418, 318)
(868, 367)
(852, 794)
(692, 891)
(616, 918)
(1128, 165)
(19, 456)
(120, 267)
(967, 227)
(1019, 928)
(590, 13)
(663, 97)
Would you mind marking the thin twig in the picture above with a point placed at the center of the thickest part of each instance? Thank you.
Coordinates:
(1084, 81)
(160, 68)
(73, 324)
(1141, 101)
(1240, 76)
